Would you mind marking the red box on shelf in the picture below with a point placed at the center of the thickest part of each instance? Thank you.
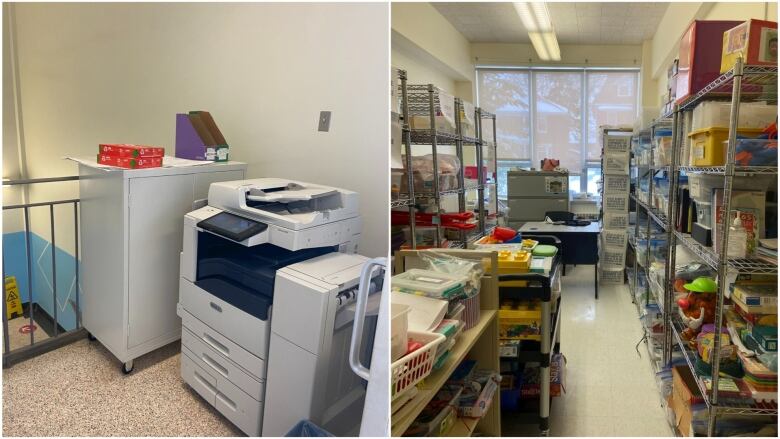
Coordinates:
(127, 150)
(755, 41)
(129, 162)
(700, 55)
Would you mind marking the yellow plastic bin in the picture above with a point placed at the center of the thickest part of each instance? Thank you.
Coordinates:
(521, 323)
(513, 262)
(707, 144)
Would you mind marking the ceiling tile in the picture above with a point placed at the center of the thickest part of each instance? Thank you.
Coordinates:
(575, 23)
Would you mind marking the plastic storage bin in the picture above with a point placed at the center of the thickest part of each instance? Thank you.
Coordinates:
(429, 283)
(399, 326)
(609, 275)
(523, 322)
(467, 122)
(414, 367)
(662, 156)
(718, 114)
(513, 261)
(615, 220)
(707, 144)
(704, 213)
(615, 239)
(444, 108)
(754, 152)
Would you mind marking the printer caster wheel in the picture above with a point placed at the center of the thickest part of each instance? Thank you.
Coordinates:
(127, 367)
(91, 337)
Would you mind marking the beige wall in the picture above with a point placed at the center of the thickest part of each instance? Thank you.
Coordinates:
(419, 72)
(422, 24)
(11, 220)
(431, 50)
(119, 72)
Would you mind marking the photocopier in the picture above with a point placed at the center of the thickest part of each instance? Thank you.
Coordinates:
(267, 297)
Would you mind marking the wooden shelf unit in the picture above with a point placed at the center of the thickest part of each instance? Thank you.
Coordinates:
(479, 343)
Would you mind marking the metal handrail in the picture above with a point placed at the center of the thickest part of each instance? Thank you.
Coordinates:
(39, 180)
(57, 339)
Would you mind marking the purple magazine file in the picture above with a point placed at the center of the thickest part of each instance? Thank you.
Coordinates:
(188, 143)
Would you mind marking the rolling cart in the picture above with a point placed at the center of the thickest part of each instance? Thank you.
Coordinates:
(539, 286)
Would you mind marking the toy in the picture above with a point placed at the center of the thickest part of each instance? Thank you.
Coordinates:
(698, 307)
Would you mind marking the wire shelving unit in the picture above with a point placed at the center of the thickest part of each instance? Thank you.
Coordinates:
(740, 84)
(425, 100)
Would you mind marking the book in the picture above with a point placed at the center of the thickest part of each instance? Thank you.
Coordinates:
(756, 295)
(756, 279)
(753, 309)
(729, 388)
(756, 318)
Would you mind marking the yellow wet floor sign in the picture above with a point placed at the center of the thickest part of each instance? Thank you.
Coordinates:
(12, 299)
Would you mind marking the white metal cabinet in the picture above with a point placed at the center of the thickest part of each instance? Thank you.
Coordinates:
(131, 230)
(154, 205)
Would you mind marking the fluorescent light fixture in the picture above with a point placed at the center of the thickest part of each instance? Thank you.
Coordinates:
(538, 42)
(536, 19)
(552, 45)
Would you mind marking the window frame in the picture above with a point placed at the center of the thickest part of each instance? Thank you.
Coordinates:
(585, 114)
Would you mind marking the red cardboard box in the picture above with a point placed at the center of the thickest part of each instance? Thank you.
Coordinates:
(129, 162)
(126, 150)
(700, 53)
(755, 41)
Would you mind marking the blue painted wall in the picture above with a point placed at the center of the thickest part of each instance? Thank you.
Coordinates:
(15, 261)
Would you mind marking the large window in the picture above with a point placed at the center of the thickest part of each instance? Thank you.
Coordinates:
(556, 113)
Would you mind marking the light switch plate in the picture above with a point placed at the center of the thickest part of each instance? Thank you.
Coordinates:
(324, 121)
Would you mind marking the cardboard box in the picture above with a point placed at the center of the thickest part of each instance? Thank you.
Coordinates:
(755, 41)
(127, 150)
(685, 393)
(700, 55)
(129, 162)
(531, 390)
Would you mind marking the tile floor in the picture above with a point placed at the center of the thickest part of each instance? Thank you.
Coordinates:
(18, 338)
(610, 390)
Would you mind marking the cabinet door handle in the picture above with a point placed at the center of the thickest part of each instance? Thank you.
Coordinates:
(215, 306)
(216, 345)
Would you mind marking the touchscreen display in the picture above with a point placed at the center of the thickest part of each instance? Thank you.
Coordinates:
(231, 223)
(232, 226)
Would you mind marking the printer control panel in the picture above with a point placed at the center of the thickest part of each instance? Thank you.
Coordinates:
(232, 226)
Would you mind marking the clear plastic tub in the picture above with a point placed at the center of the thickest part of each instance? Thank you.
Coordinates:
(704, 213)
(753, 152)
(714, 114)
(430, 283)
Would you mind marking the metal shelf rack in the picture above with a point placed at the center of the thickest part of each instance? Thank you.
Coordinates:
(740, 84)
(423, 100)
(654, 293)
